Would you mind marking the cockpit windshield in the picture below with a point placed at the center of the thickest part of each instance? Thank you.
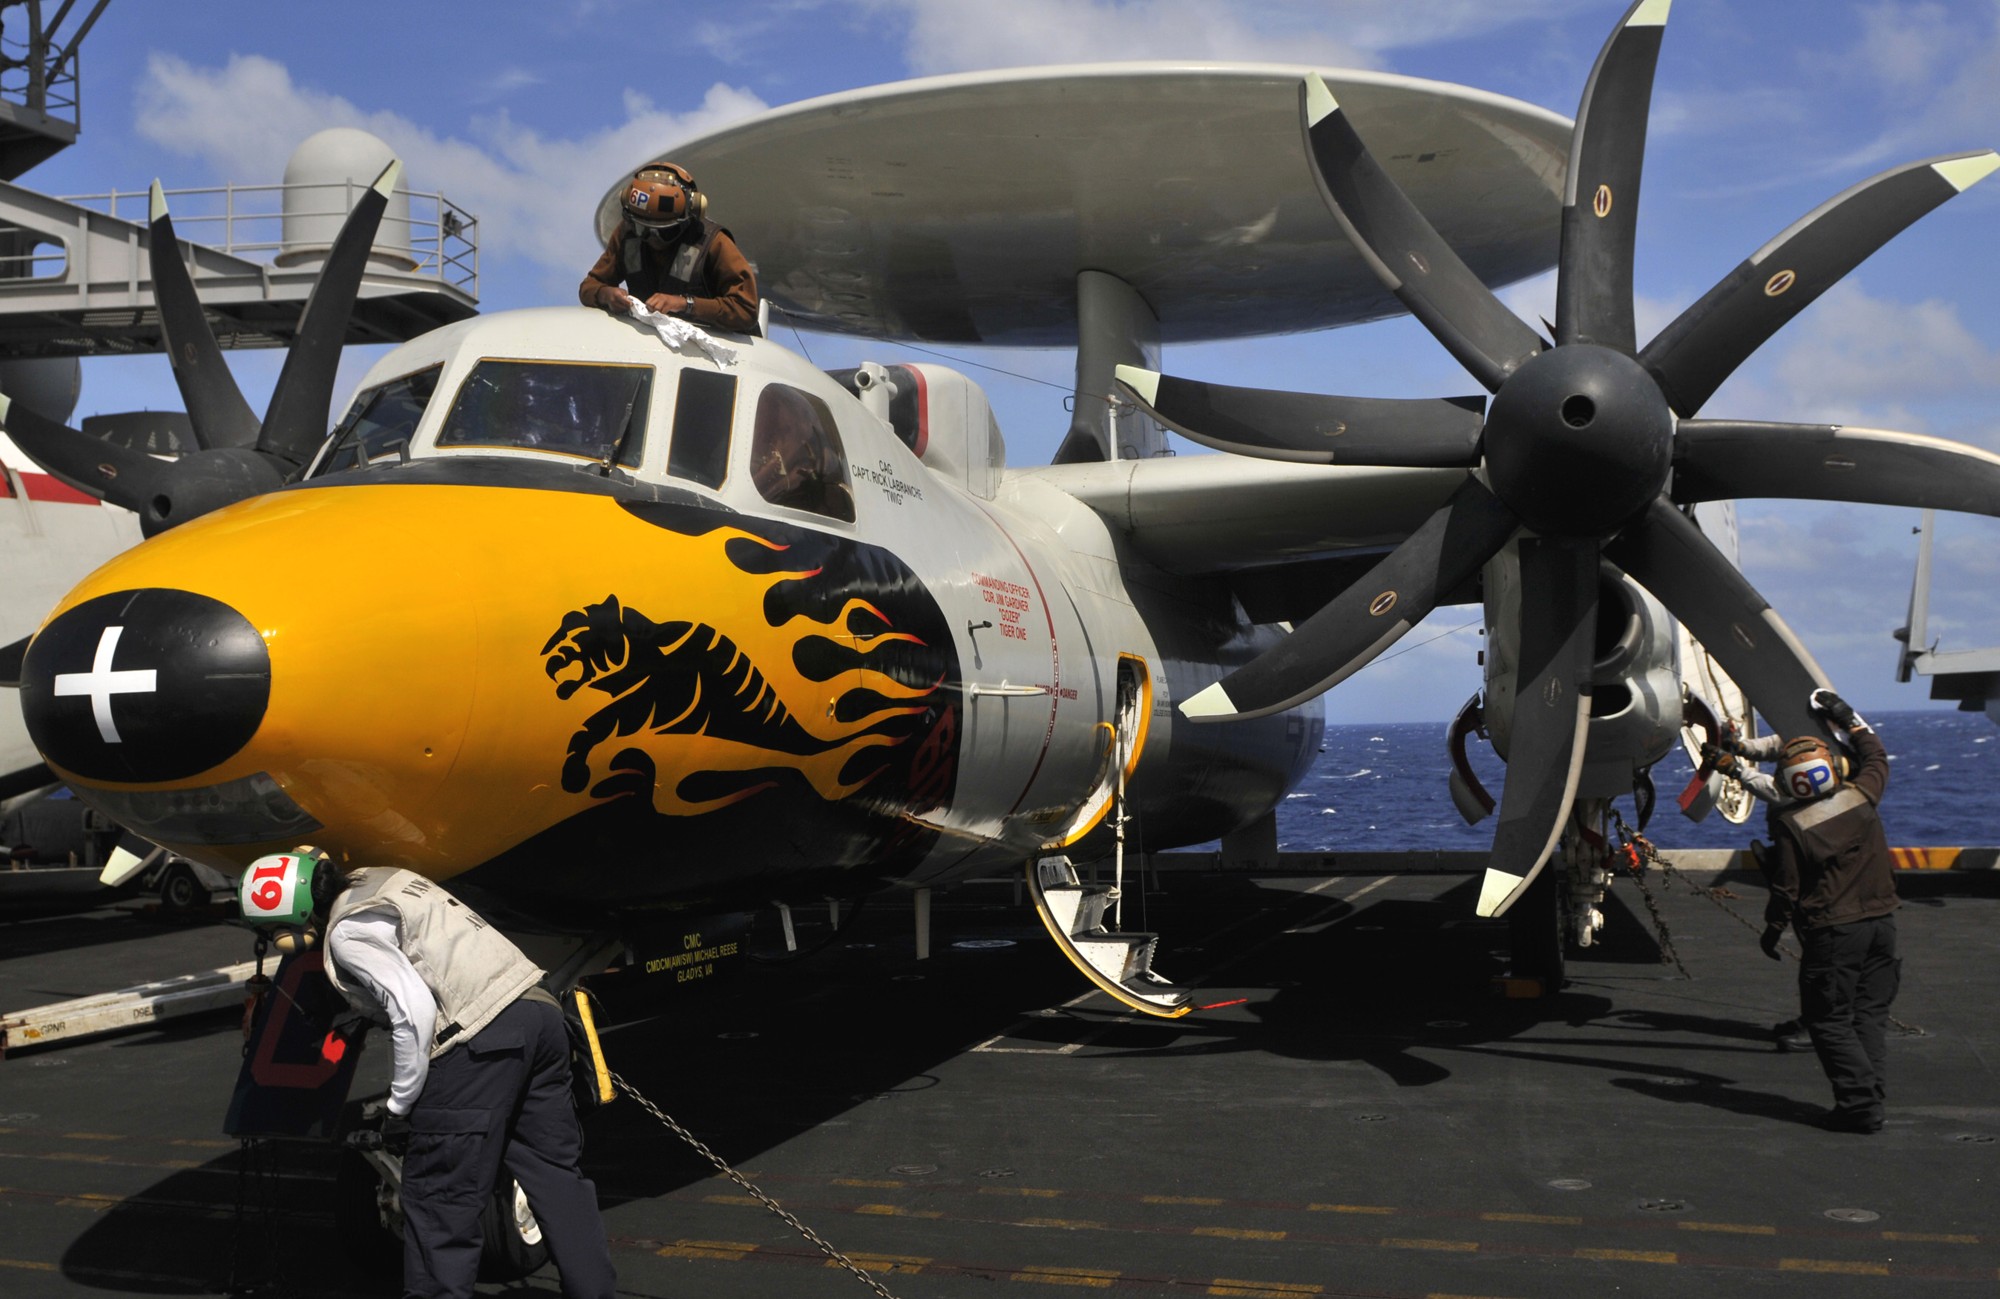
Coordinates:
(589, 410)
(380, 422)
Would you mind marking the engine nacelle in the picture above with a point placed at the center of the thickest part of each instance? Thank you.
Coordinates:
(1635, 701)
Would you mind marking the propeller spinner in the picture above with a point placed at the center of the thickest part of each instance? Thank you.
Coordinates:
(1587, 446)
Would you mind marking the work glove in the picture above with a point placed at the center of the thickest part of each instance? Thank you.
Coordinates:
(1768, 941)
(1719, 758)
(396, 1133)
(1835, 709)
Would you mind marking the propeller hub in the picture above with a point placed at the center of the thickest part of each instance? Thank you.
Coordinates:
(1578, 440)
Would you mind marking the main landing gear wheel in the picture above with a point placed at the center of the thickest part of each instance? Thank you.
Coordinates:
(1535, 930)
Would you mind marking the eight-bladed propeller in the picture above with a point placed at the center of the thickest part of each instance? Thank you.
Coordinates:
(238, 456)
(1587, 448)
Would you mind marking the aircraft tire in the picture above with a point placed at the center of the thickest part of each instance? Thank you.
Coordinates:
(510, 1255)
(180, 892)
(1535, 930)
(375, 1251)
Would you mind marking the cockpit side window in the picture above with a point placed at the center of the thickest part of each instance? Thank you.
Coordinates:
(380, 422)
(795, 454)
(588, 410)
(702, 415)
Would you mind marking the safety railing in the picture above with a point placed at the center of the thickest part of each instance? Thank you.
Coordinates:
(439, 239)
(39, 73)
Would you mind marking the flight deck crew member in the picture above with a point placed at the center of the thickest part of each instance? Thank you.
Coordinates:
(481, 1063)
(1832, 879)
(672, 257)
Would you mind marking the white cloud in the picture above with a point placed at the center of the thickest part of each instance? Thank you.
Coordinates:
(1854, 354)
(533, 194)
(953, 36)
(1931, 69)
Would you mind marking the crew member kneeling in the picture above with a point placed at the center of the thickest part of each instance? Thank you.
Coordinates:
(481, 1062)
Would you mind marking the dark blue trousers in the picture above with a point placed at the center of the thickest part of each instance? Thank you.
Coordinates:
(1847, 980)
(500, 1100)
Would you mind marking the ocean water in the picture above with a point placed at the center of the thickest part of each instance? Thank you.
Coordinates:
(1382, 788)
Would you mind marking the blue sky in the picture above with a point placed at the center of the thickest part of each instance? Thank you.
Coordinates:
(523, 111)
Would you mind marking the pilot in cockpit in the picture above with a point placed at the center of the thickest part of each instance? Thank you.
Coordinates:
(669, 255)
(794, 460)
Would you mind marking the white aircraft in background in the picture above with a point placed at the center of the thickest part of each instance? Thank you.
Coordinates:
(1972, 677)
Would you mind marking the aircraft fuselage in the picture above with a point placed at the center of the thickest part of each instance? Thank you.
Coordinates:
(494, 660)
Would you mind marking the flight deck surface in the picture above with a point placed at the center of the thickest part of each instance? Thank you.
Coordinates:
(1370, 1118)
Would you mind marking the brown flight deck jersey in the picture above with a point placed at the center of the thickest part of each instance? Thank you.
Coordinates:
(707, 268)
(1830, 862)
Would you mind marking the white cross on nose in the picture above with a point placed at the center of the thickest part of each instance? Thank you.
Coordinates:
(100, 683)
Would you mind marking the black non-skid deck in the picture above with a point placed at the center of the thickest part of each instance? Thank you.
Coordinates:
(1358, 1114)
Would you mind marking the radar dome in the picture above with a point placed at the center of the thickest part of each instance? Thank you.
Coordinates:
(324, 179)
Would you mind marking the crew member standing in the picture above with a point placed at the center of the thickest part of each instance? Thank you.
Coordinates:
(481, 1065)
(672, 257)
(1833, 880)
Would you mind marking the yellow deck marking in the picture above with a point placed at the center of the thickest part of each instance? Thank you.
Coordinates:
(863, 1181)
(1239, 1233)
(1552, 1219)
(905, 1264)
(90, 1200)
(895, 1211)
(70, 1157)
(1831, 1265)
(1448, 1246)
(1036, 1191)
(1261, 1289)
(1628, 1255)
(1350, 1208)
(730, 1199)
(1930, 1238)
(1067, 1224)
(1067, 1276)
(204, 1144)
(27, 1265)
(1737, 1228)
(1177, 1199)
(94, 1136)
(731, 1250)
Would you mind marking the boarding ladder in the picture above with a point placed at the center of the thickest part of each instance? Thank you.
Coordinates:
(1119, 963)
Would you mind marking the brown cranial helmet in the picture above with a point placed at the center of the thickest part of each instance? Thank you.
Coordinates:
(661, 197)
(1807, 768)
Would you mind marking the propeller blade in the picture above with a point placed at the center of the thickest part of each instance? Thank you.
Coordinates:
(1307, 428)
(1728, 460)
(1669, 556)
(1551, 711)
(215, 405)
(1607, 154)
(1405, 252)
(1369, 616)
(1692, 356)
(296, 421)
(105, 470)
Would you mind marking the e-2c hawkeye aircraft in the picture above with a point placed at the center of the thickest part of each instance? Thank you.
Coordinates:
(589, 625)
